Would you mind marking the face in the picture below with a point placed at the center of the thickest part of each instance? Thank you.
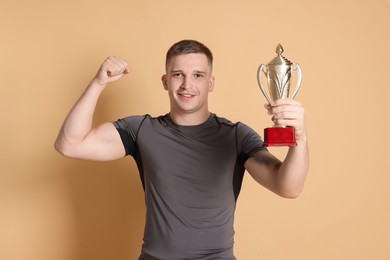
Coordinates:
(188, 81)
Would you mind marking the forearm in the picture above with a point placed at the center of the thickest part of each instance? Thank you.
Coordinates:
(292, 173)
(285, 178)
(78, 122)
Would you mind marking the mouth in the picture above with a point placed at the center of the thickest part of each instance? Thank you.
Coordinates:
(186, 95)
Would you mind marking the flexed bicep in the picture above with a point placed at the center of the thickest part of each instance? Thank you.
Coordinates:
(102, 143)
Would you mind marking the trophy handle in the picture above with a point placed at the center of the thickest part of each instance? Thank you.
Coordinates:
(259, 70)
(298, 68)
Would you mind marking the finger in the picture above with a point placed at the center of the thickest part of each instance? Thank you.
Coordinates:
(115, 66)
(288, 115)
(285, 108)
(285, 101)
(269, 108)
(127, 70)
(288, 122)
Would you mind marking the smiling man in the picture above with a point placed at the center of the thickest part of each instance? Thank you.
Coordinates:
(188, 81)
(191, 161)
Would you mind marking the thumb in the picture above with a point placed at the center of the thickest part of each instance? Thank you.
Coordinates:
(127, 70)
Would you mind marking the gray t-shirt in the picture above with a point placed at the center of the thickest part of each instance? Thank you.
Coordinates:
(191, 176)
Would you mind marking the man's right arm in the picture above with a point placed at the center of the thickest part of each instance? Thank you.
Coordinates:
(77, 138)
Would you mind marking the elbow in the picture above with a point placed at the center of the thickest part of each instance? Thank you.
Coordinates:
(290, 194)
(63, 149)
(59, 147)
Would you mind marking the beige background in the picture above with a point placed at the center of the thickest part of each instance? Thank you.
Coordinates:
(53, 208)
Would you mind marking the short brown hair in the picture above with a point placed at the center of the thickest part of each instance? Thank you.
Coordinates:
(187, 47)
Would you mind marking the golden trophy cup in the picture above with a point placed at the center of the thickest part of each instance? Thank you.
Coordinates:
(278, 73)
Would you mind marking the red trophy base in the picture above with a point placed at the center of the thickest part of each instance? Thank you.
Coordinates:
(279, 136)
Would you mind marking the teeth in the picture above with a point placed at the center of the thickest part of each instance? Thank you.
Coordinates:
(186, 95)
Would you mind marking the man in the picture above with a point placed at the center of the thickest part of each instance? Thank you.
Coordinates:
(191, 161)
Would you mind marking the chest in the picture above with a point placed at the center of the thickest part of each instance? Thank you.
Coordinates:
(200, 157)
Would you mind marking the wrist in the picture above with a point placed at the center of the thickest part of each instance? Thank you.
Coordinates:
(301, 142)
(301, 136)
(96, 82)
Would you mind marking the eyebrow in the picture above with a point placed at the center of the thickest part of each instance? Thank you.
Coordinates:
(195, 71)
(200, 72)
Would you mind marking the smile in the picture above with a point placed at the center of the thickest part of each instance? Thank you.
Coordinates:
(186, 95)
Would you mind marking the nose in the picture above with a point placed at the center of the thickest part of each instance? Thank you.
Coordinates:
(186, 83)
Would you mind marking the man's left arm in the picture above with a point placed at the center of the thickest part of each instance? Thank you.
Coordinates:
(285, 178)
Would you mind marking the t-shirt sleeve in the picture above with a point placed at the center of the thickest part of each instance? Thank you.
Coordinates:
(128, 128)
(248, 142)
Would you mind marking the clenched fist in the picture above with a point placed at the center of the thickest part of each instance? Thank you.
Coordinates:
(112, 69)
(288, 112)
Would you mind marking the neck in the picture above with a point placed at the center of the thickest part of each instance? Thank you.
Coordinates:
(188, 119)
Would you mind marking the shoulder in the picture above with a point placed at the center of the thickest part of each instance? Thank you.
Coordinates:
(133, 120)
(224, 121)
(130, 124)
(242, 129)
(247, 136)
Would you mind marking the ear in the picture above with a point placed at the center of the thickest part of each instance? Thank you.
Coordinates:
(211, 83)
(164, 80)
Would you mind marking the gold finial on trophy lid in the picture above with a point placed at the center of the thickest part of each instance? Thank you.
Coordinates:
(279, 49)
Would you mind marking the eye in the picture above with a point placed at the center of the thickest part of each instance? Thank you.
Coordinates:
(198, 75)
(177, 74)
